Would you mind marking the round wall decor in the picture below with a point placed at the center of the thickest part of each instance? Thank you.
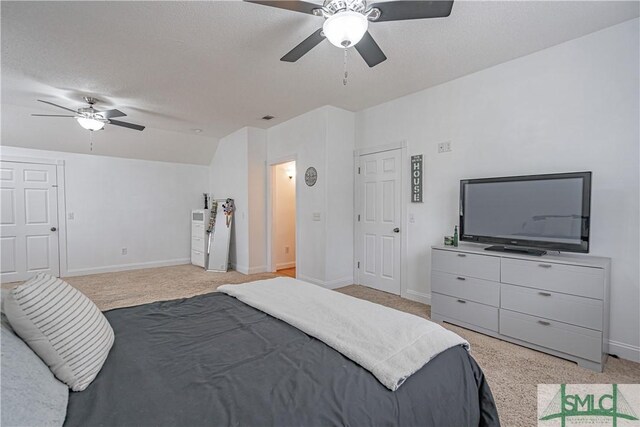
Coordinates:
(311, 176)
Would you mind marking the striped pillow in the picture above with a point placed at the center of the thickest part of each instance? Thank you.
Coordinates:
(62, 326)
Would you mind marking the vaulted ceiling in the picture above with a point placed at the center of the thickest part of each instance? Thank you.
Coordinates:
(180, 66)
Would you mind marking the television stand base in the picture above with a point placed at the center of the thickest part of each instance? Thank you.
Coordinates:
(517, 249)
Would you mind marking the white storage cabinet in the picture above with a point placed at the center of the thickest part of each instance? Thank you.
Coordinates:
(558, 304)
(199, 238)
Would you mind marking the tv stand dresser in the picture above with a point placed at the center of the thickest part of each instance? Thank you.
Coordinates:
(557, 304)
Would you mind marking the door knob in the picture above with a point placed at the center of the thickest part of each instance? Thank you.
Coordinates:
(396, 230)
(53, 229)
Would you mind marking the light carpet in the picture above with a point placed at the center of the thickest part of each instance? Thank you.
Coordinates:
(513, 372)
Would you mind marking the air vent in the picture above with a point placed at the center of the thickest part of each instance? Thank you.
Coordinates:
(268, 117)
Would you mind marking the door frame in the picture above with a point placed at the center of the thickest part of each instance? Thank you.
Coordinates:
(271, 262)
(62, 205)
(402, 146)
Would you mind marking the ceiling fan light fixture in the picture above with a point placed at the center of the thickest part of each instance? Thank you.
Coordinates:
(345, 29)
(90, 124)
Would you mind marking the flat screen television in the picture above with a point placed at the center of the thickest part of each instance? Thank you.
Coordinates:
(548, 212)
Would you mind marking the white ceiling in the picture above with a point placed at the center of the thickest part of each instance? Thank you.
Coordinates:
(177, 66)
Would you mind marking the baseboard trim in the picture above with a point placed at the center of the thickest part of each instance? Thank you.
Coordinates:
(624, 351)
(126, 267)
(259, 269)
(417, 296)
(310, 280)
(283, 265)
(339, 283)
(249, 270)
(331, 284)
(240, 268)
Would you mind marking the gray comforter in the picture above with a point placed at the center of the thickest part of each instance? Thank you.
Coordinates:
(212, 360)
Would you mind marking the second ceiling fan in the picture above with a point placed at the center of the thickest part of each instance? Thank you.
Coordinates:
(347, 21)
(90, 118)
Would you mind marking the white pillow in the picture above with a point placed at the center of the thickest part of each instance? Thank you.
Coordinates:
(62, 326)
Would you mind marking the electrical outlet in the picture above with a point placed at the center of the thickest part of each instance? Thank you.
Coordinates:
(316, 216)
(286, 249)
(124, 251)
(412, 218)
(70, 215)
(444, 147)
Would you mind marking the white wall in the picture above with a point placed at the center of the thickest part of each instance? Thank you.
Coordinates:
(572, 107)
(284, 216)
(228, 178)
(340, 193)
(322, 138)
(305, 138)
(238, 171)
(257, 193)
(117, 203)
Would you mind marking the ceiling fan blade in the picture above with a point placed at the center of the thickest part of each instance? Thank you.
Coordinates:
(370, 51)
(296, 6)
(412, 9)
(111, 113)
(59, 106)
(305, 46)
(50, 115)
(126, 125)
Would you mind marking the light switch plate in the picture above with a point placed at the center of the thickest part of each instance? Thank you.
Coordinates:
(444, 147)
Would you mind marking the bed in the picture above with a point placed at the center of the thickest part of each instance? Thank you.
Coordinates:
(213, 360)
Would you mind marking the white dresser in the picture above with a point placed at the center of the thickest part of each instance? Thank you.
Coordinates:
(199, 238)
(558, 304)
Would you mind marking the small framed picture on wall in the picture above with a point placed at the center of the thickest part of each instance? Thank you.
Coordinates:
(416, 178)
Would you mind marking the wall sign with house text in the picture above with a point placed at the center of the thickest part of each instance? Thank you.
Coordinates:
(416, 178)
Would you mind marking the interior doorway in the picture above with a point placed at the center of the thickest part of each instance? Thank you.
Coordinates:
(283, 224)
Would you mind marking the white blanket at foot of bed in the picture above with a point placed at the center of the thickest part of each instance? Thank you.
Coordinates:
(389, 343)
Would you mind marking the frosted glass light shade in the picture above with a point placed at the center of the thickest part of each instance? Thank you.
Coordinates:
(90, 124)
(345, 29)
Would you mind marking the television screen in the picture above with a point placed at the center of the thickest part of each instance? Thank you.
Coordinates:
(550, 211)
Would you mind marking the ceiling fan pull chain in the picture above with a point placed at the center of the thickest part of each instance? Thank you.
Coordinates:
(90, 140)
(346, 75)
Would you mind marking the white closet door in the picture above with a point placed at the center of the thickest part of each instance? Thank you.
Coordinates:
(28, 221)
(379, 244)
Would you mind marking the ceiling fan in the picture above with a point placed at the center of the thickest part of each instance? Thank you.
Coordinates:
(347, 21)
(90, 118)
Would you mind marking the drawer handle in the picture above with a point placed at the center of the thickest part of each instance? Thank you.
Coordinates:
(542, 322)
(544, 265)
(462, 255)
(461, 301)
(544, 294)
(461, 278)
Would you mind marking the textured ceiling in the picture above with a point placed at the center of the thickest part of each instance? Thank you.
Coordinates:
(177, 66)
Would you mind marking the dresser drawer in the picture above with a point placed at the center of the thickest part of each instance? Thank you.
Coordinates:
(197, 258)
(198, 243)
(197, 229)
(579, 311)
(466, 311)
(568, 279)
(468, 288)
(466, 264)
(573, 340)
